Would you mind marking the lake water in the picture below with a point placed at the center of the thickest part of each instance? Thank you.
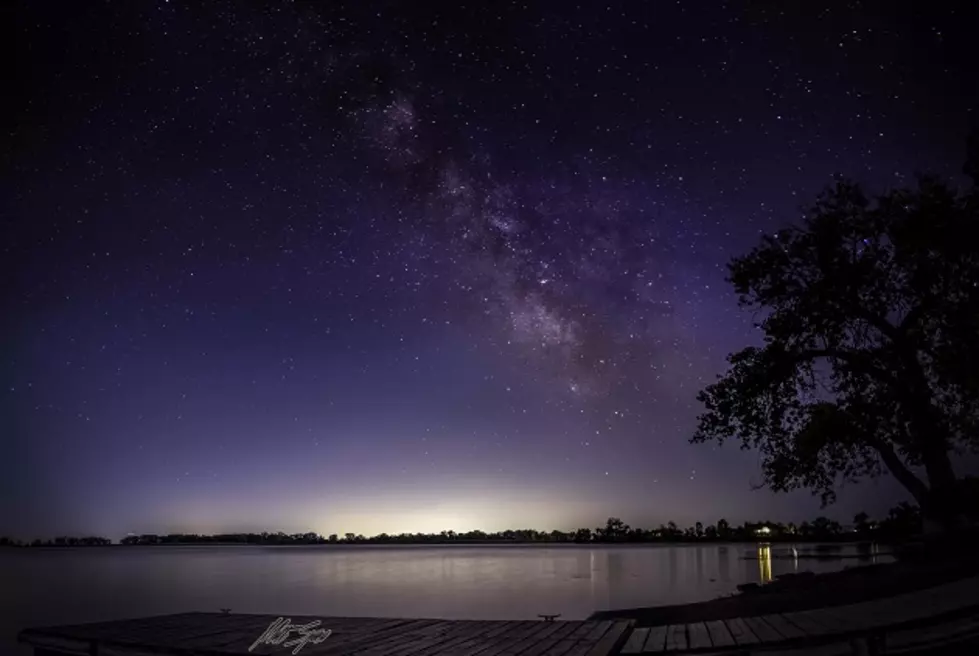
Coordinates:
(42, 586)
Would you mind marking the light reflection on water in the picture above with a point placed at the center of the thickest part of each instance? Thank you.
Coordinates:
(55, 586)
(765, 563)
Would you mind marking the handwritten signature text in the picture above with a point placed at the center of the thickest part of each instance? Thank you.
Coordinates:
(279, 631)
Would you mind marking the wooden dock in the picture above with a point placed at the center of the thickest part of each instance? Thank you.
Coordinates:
(910, 621)
(219, 634)
(942, 612)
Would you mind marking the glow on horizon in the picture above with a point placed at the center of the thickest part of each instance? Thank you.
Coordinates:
(391, 514)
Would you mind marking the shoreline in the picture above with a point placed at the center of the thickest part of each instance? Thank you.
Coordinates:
(483, 543)
(803, 591)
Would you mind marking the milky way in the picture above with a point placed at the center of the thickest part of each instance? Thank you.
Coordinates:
(399, 267)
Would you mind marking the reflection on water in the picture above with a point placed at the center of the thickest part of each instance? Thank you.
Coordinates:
(765, 563)
(439, 582)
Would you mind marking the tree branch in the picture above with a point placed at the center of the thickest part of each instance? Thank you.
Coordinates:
(904, 475)
(859, 359)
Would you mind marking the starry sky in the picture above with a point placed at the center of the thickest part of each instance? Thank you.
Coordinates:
(397, 266)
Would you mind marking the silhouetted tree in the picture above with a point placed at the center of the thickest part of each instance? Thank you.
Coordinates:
(901, 520)
(615, 529)
(723, 528)
(824, 528)
(969, 495)
(871, 356)
(861, 522)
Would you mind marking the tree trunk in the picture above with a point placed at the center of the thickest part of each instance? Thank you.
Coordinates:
(942, 506)
(904, 476)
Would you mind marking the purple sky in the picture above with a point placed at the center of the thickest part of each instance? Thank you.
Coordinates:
(410, 269)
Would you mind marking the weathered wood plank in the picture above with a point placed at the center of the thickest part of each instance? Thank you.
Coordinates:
(584, 643)
(762, 629)
(168, 631)
(697, 636)
(517, 634)
(222, 633)
(611, 639)
(349, 635)
(916, 638)
(556, 643)
(456, 633)
(598, 631)
(719, 634)
(636, 641)
(480, 643)
(656, 642)
(135, 629)
(465, 635)
(788, 630)
(595, 641)
(534, 639)
(806, 623)
(575, 641)
(740, 632)
(585, 629)
(398, 639)
(436, 634)
(357, 642)
(676, 637)
(830, 621)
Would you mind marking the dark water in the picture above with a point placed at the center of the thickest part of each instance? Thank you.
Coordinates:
(53, 586)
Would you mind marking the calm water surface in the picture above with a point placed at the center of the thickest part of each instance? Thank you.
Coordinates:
(53, 586)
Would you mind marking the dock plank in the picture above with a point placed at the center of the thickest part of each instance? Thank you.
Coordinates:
(554, 642)
(762, 629)
(593, 644)
(676, 637)
(227, 631)
(456, 633)
(435, 634)
(740, 632)
(697, 636)
(574, 641)
(482, 639)
(720, 636)
(832, 622)
(636, 641)
(356, 642)
(788, 630)
(598, 631)
(396, 640)
(806, 623)
(495, 641)
(167, 631)
(656, 642)
(611, 639)
(350, 635)
(534, 639)
(520, 633)
(133, 629)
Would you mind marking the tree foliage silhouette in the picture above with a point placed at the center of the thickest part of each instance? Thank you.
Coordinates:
(870, 361)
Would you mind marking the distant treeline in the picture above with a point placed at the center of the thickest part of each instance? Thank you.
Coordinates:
(901, 522)
(58, 542)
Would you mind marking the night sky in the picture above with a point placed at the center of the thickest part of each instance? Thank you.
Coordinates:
(414, 266)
